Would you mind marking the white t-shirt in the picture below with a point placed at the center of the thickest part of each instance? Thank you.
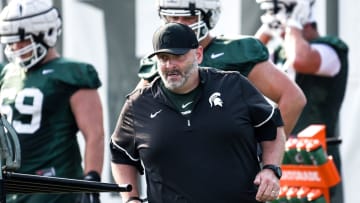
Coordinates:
(330, 62)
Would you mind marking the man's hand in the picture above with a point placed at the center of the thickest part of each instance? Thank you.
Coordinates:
(90, 197)
(273, 19)
(268, 184)
(272, 24)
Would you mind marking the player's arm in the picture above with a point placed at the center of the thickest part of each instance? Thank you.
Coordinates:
(86, 106)
(278, 87)
(263, 35)
(126, 174)
(300, 55)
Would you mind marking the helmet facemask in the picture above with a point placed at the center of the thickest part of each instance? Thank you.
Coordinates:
(207, 12)
(26, 57)
(33, 24)
(276, 11)
(200, 28)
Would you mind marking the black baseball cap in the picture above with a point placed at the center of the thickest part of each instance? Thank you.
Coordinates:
(174, 38)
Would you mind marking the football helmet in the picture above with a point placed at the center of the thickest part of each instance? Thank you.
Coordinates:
(276, 6)
(208, 12)
(282, 8)
(34, 21)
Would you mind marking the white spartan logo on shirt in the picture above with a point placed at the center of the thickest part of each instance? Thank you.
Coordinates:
(215, 100)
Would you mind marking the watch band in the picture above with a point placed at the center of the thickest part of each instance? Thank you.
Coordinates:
(276, 169)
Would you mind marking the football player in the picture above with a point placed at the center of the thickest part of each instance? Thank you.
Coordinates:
(48, 99)
(318, 64)
(244, 54)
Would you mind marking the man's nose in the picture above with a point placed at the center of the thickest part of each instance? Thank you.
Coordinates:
(169, 63)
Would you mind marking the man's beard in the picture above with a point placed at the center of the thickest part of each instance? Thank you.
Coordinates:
(176, 84)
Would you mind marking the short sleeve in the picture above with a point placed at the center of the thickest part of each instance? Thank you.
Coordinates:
(123, 146)
(79, 74)
(265, 117)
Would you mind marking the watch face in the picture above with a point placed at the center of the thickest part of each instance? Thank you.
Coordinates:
(279, 172)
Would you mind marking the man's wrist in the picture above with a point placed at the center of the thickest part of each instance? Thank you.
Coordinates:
(294, 23)
(92, 176)
(275, 168)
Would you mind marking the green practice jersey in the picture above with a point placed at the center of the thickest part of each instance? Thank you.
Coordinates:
(235, 54)
(1, 66)
(37, 103)
(324, 94)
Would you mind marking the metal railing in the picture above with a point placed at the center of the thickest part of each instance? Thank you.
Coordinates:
(17, 183)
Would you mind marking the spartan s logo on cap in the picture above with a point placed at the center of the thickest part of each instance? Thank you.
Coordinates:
(165, 41)
(215, 100)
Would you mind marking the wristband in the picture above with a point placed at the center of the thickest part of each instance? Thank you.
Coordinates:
(92, 176)
(294, 23)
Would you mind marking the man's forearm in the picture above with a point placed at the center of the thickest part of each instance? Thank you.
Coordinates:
(94, 155)
(126, 174)
(291, 106)
(273, 151)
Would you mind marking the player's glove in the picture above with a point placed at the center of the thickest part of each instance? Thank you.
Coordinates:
(300, 14)
(271, 25)
(273, 18)
(90, 197)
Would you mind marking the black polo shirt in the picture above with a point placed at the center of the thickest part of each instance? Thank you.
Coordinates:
(207, 156)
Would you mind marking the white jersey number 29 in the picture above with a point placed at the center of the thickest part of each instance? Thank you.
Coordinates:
(32, 108)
